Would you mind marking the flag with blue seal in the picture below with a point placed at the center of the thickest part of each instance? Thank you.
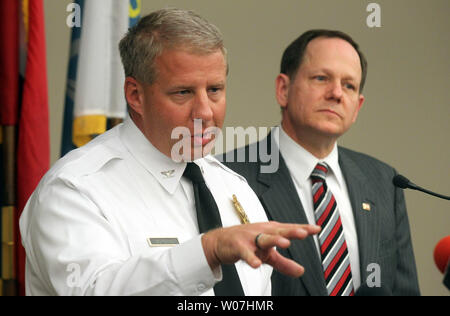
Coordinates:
(95, 99)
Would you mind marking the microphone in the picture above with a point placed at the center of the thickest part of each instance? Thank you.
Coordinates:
(365, 290)
(404, 183)
(442, 253)
(442, 259)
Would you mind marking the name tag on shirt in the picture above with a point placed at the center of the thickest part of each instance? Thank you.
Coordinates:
(162, 242)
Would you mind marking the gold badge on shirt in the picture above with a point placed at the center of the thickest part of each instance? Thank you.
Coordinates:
(240, 211)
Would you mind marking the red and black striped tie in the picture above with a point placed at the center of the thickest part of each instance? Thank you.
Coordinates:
(333, 248)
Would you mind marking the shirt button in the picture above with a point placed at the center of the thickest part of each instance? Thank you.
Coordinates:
(201, 287)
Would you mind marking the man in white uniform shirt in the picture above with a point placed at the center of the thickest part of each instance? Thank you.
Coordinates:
(117, 216)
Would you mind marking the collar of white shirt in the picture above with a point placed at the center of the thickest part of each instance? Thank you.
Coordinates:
(301, 162)
(165, 170)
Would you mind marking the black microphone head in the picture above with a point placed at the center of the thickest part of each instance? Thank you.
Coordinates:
(401, 182)
(365, 290)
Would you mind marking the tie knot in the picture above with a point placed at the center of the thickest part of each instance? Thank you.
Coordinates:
(320, 171)
(193, 173)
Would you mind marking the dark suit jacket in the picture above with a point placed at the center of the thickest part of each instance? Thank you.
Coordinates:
(383, 232)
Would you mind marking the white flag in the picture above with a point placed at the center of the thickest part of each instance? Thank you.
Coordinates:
(100, 77)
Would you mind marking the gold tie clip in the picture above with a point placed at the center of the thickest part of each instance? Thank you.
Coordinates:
(240, 211)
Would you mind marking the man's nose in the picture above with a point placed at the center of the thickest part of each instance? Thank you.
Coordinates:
(335, 91)
(202, 107)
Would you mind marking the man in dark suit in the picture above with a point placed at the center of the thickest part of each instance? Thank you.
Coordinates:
(365, 238)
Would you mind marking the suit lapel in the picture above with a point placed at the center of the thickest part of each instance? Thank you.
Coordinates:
(281, 201)
(364, 210)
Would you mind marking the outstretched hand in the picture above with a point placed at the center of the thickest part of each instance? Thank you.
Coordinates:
(230, 244)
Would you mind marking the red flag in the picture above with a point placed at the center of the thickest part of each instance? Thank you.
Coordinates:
(9, 62)
(33, 149)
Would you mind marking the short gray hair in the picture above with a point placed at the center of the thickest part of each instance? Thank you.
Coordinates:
(168, 28)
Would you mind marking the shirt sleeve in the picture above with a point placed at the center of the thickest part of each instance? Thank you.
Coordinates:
(72, 249)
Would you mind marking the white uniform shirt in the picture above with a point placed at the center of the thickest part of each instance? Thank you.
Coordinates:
(85, 227)
(301, 164)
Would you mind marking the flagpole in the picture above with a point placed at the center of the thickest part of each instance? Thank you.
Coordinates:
(9, 282)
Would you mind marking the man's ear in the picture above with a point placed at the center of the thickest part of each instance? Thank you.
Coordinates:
(282, 89)
(360, 104)
(134, 94)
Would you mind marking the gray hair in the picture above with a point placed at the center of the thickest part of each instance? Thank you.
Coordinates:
(168, 28)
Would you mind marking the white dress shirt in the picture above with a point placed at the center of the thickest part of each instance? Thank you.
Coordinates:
(85, 228)
(301, 164)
